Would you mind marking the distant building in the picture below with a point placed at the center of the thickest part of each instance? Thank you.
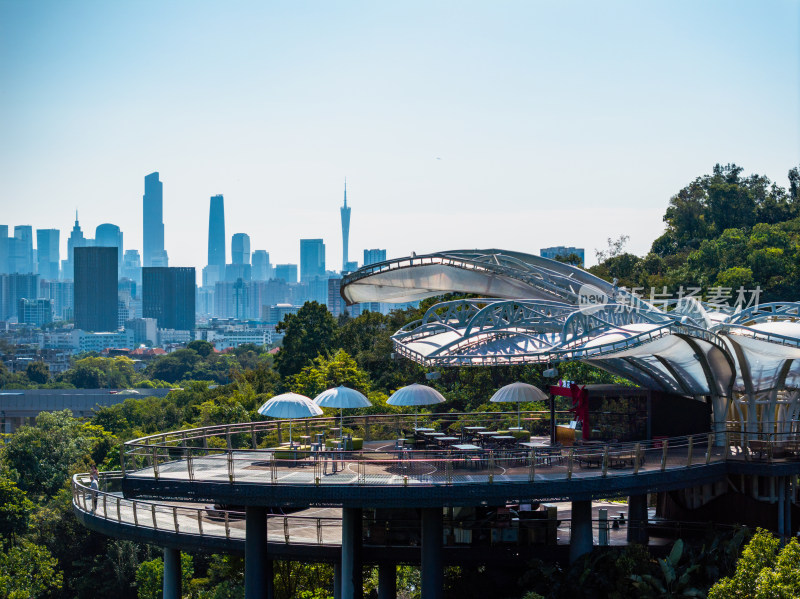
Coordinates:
(145, 330)
(20, 250)
(47, 253)
(96, 300)
(286, 272)
(153, 222)
(240, 248)
(345, 213)
(62, 295)
(561, 251)
(351, 266)
(223, 340)
(37, 312)
(83, 341)
(168, 296)
(262, 269)
(276, 314)
(76, 240)
(3, 249)
(13, 288)
(215, 271)
(312, 258)
(132, 266)
(374, 256)
(335, 303)
(108, 235)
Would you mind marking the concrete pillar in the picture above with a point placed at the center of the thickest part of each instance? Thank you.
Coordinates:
(257, 583)
(337, 580)
(172, 573)
(432, 566)
(787, 522)
(580, 539)
(778, 481)
(637, 519)
(352, 583)
(387, 581)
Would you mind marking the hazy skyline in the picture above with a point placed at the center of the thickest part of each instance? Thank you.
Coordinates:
(517, 125)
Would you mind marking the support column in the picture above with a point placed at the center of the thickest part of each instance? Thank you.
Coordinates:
(257, 582)
(337, 580)
(787, 521)
(352, 583)
(637, 519)
(172, 573)
(387, 581)
(432, 565)
(580, 539)
(781, 488)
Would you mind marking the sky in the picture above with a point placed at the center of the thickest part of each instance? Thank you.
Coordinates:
(509, 124)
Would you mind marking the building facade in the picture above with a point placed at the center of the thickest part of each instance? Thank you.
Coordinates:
(168, 296)
(153, 221)
(96, 299)
(47, 253)
(312, 258)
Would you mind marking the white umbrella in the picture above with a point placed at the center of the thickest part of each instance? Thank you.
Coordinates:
(341, 397)
(415, 395)
(290, 406)
(518, 393)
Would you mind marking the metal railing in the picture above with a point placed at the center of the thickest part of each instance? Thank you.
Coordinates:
(221, 454)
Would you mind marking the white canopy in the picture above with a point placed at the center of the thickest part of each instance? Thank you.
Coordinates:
(342, 397)
(415, 395)
(290, 405)
(518, 393)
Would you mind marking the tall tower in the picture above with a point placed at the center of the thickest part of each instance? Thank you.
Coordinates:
(153, 221)
(47, 253)
(96, 299)
(312, 259)
(76, 240)
(215, 269)
(108, 235)
(345, 211)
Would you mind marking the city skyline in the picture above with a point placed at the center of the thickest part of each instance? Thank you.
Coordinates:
(553, 114)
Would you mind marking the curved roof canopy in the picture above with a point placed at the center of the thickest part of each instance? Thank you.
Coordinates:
(542, 311)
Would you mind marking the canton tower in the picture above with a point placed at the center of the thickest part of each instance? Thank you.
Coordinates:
(345, 211)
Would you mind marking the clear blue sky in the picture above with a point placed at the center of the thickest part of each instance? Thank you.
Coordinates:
(457, 124)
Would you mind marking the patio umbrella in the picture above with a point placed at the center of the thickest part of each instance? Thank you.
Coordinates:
(415, 395)
(518, 393)
(290, 406)
(341, 397)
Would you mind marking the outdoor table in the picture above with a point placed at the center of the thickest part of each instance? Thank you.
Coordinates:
(484, 435)
(472, 454)
(424, 430)
(474, 429)
(445, 441)
(466, 447)
(433, 434)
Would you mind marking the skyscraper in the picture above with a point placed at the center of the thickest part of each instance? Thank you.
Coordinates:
(20, 254)
(3, 249)
(14, 287)
(47, 255)
(262, 269)
(132, 266)
(373, 256)
(345, 212)
(240, 248)
(108, 235)
(286, 272)
(76, 240)
(153, 221)
(312, 258)
(216, 242)
(96, 300)
(168, 295)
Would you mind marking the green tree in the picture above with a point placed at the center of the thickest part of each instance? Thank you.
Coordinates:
(28, 571)
(308, 333)
(325, 373)
(15, 510)
(150, 576)
(37, 372)
(204, 348)
(758, 556)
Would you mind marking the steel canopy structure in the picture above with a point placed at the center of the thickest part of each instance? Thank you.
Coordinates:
(540, 311)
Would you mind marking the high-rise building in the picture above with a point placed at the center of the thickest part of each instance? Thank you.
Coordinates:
(132, 266)
(3, 249)
(240, 248)
(62, 293)
(153, 221)
(108, 235)
(561, 251)
(345, 212)
(262, 269)
(48, 256)
(215, 270)
(20, 250)
(374, 256)
(286, 272)
(312, 258)
(335, 303)
(96, 299)
(76, 240)
(37, 312)
(14, 287)
(168, 295)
